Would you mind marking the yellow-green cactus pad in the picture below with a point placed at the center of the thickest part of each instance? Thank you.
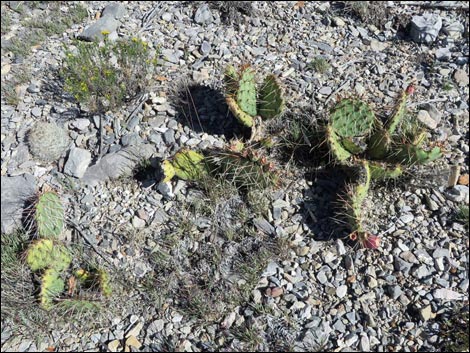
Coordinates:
(352, 118)
(168, 171)
(339, 153)
(103, 279)
(382, 171)
(189, 165)
(51, 287)
(44, 253)
(239, 114)
(231, 81)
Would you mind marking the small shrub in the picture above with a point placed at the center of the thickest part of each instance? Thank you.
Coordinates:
(319, 65)
(104, 76)
(463, 215)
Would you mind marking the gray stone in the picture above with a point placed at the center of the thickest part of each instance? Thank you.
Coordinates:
(364, 344)
(94, 32)
(263, 225)
(425, 118)
(426, 313)
(78, 162)
(80, 124)
(341, 291)
(15, 192)
(156, 139)
(458, 193)
(325, 90)
(114, 10)
(407, 218)
(454, 29)
(443, 54)
(425, 28)
(321, 277)
(203, 15)
(461, 77)
(33, 88)
(339, 326)
(36, 112)
(169, 136)
(394, 291)
(171, 55)
(446, 294)
(440, 252)
(116, 164)
(206, 48)
(166, 190)
(138, 222)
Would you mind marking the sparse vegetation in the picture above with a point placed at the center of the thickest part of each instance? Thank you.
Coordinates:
(319, 64)
(104, 77)
(463, 215)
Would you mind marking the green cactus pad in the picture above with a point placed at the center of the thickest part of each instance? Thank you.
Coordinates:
(246, 93)
(231, 81)
(410, 154)
(356, 195)
(397, 114)
(383, 171)
(49, 215)
(103, 279)
(168, 171)
(339, 153)
(271, 102)
(51, 287)
(189, 165)
(243, 169)
(379, 145)
(44, 253)
(352, 118)
(241, 116)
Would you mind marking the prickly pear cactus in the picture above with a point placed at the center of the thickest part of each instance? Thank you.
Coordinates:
(271, 101)
(246, 102)
(381, 150)
(45, 253)
(52, 285)
(168, 171)
(246, 93)
(352, 121)
(245, 169)
(189, 165)
(47, 141)
(49, 215)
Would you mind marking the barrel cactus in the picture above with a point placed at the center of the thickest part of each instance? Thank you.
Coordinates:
(47, 141)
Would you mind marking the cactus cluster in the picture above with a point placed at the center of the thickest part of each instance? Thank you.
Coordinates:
(246, 102)
(381, 150)
(48, 256)
(242, 166)
(47, 141)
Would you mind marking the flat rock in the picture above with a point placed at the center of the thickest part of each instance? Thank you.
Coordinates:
(94, 32)
(461, 77)
(78, 162)
(425, 118)
(425, 28)
(15, 192)
(116, 164)
(446, 294)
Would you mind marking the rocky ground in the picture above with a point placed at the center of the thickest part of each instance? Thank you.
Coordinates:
(205, 268)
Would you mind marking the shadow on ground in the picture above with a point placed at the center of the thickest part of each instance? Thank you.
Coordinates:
(203, 109)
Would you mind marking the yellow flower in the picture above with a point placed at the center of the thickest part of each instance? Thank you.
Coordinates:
(105, 32)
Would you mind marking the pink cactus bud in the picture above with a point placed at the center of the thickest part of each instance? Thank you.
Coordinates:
(372, 242)
(410, 89)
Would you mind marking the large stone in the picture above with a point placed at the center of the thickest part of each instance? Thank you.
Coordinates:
(78, 162)
(425, 28)
(116, 164)
(203, 15)
(96, 31)
(15, 192)
(114, 10)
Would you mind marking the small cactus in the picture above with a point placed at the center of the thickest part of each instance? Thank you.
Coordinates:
(271, 102)
(47, 141)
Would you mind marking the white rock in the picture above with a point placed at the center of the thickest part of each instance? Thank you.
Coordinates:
(78, 162)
